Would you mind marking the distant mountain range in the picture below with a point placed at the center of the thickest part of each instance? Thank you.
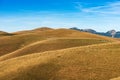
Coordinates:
(110, 33)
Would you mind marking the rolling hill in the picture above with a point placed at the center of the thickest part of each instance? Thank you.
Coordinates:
(17, 41)
(95, 62)
(34, 30)
(58, 54)
(51, 44)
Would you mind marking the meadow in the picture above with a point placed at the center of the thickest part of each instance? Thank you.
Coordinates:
(58, 54)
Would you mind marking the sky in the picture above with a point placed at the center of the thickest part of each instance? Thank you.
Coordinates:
(100, 15)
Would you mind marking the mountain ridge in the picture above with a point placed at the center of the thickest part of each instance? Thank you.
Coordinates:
(108, 33)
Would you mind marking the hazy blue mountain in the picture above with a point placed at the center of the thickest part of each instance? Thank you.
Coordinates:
(108, 33)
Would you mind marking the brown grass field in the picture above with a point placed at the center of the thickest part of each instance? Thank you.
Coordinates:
(58, 54)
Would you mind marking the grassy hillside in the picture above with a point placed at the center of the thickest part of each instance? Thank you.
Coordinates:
(96, 62)
(118, 78)
(15, 42)
(11, 43)
(51, 44)
(58, 54)
(33, 31)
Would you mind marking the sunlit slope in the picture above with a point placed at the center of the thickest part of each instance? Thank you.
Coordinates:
(118, 78)
(50, 33)
(96, 62)
(34, 30)
(12, 43)
(72, 33)
(51, 44)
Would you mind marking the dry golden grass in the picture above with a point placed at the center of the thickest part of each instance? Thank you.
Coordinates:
(61, 54)
(96, 62)
(118, 78)
(53, 33)
(12, 43)
(51, 44)
(15, 41)
(43, 29)
(33, 31)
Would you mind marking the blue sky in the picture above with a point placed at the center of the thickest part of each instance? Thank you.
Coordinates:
(101, 15)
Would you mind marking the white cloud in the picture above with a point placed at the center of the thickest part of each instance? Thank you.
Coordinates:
(112, 8)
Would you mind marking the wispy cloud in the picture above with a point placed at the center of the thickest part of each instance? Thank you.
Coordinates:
(31, 19)
(112, 8)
